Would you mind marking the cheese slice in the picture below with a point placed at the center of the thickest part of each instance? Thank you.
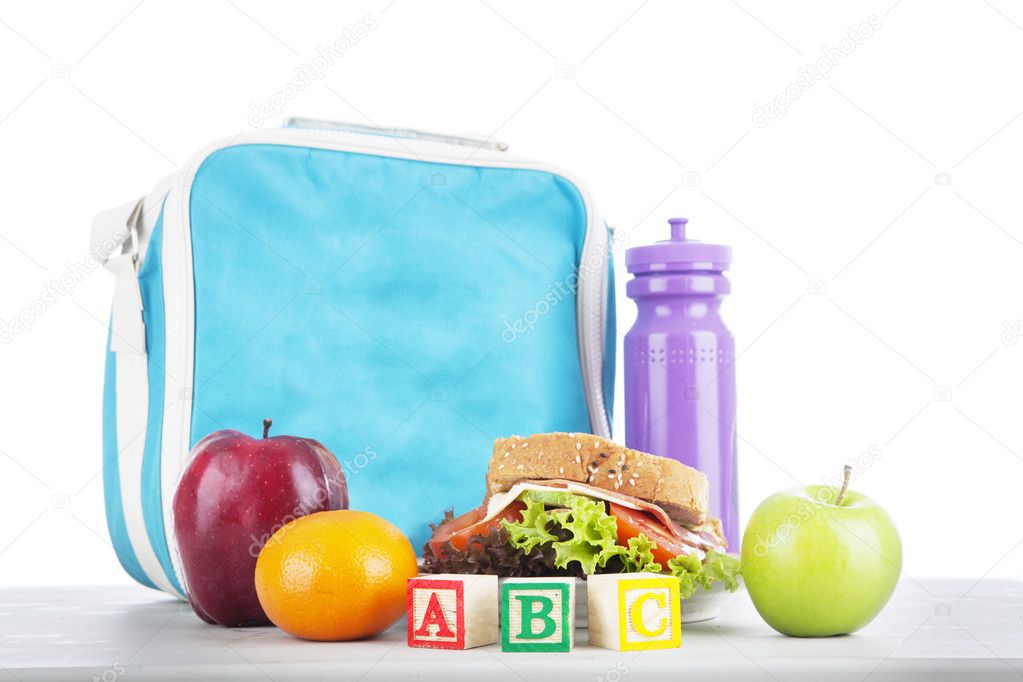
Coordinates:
(500, 501)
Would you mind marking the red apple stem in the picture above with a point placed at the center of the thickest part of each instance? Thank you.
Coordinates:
(846, 476)
(268, 422)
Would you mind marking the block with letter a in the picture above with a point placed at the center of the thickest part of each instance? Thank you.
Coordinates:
(537, 614)
(634, 611)
(448, 611)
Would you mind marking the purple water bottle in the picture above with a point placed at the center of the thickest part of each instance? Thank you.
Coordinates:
(680, 364)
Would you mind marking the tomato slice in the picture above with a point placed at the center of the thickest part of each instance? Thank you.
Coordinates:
(459, 529)
(631, 523)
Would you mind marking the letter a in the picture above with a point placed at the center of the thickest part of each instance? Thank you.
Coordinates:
(434, 616)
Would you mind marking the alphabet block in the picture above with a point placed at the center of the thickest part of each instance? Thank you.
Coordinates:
(537, 614)
(634, 611)
(447, 611)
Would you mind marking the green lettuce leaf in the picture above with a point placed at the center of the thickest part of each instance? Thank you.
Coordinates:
(639, 557)
(532, 530)
(693, 573)
(582, 533)
(594, 535)
(723, 567)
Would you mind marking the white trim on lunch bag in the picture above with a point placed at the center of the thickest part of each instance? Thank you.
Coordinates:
(132, 421)
(179, 328)
(115, 241)
(179, 299)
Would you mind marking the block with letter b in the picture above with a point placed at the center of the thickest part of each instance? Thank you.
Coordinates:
(634, 611)
(448, 611)
(537, 614)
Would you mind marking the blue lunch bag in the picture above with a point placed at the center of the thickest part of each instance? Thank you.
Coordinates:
(402, 297)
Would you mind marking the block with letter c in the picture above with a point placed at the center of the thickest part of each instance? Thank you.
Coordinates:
(634, 612)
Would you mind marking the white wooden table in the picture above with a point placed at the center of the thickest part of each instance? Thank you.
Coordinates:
(932, 630)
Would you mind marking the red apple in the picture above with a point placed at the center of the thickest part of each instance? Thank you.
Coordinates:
(234, 494)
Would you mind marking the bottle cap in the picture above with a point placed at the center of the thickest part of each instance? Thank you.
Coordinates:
(678, 254)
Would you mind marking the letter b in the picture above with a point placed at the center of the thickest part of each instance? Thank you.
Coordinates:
(530, 613)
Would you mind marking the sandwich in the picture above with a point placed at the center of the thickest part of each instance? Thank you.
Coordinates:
(568, 504)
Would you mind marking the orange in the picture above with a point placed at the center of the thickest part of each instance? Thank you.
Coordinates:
(335, 575)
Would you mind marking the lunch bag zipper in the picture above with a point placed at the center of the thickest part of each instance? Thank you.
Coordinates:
(402, 133)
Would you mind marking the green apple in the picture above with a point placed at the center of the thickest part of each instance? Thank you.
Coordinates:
(820, 560)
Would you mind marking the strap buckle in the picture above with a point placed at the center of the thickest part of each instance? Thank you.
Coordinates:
(115, 242)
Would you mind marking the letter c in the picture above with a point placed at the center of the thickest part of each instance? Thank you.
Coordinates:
(636, 614)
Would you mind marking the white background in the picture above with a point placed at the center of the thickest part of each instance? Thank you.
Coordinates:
(876, 299)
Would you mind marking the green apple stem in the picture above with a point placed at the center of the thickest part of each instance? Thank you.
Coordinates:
(268, 422)
(846, 475)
